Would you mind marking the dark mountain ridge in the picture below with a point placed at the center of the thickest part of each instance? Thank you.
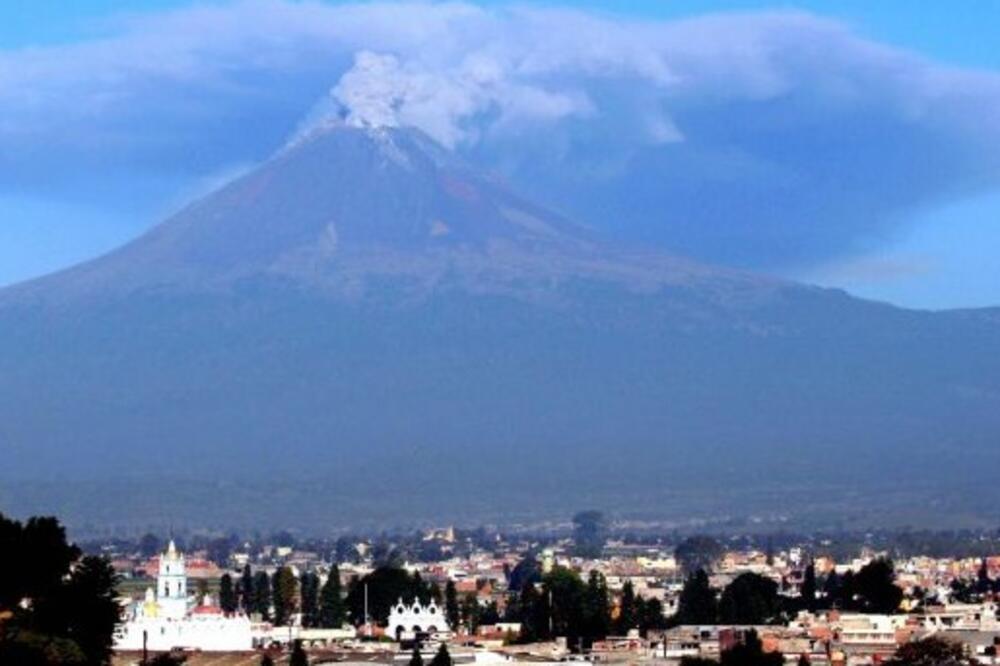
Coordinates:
(366, 320)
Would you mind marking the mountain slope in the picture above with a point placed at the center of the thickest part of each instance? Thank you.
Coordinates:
(364, 319)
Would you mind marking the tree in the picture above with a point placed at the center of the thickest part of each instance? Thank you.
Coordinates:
(332, 612)
(808, 591)
(650, 615)
(697, 552)
(56, 607)
(442, 658)
(983, 582)
(415, 658)
(284, 538)
(532, 615)
(628, 611)
(489, 614)
(88, 612)
(875, 589)
(150, 545)
(596, 609)
(310, 600)
(837, 588)
(697, 603)
(220, 549)
(284, 590)
(345, 551)
(298, 656)
(750, 653)
(589, 533)
(750, 599)
(37, 557)
(227, 595)
(528, 570)
(451, 609)
(262, 595)
(247, 590)
(386, 585)
(266, 660)
(470, 612)
(931, 651)
(566, 593)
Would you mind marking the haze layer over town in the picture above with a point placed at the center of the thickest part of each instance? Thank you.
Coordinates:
(488, 331)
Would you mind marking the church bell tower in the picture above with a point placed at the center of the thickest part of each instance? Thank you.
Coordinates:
(171, 584)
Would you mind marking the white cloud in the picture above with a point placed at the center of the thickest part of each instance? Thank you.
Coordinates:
(752, 133)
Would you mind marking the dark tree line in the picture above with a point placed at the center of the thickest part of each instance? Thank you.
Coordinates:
(386, 585)
(57, 607)
(564, 605)
(276, 598)
(754, 599)
(698, 552)
(871, 590)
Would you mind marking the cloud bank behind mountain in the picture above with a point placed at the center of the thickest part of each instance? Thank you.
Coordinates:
(765, 140)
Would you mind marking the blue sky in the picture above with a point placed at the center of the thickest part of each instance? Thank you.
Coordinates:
(852, 141)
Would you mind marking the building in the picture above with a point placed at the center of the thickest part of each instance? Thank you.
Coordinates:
(409, 621)
(167, 617)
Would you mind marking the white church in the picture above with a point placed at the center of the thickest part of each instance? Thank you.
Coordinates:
(168, 618)
(407, 621)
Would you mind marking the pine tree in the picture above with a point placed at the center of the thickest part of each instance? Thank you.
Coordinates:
(309, 599)
(528, 604)
(415, 658)
(451, 609)
(247, 590)
(697, 603)
(650, 615)
(262, 595)
(90, 609)
(332, 610)
(628, 612)
(983, 582)
(284, 589)
(876, 589)
(298, 656)
(809, 588)
(470, 612)
(596, 608)
(442, 658)
(227, 595)
(750, 599)
(73, 609)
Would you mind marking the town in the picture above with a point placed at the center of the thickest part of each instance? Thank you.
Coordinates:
(588, 592)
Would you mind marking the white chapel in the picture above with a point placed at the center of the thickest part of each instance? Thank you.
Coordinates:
(168, 618)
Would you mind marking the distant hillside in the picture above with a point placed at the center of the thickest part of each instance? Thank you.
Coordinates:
(366, 326)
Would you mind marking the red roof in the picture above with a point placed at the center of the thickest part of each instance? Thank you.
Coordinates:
(207, 610)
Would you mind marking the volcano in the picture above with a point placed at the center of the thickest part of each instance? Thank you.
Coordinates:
(366, 328)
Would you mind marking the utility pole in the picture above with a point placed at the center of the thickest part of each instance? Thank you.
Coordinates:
(551, 611)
